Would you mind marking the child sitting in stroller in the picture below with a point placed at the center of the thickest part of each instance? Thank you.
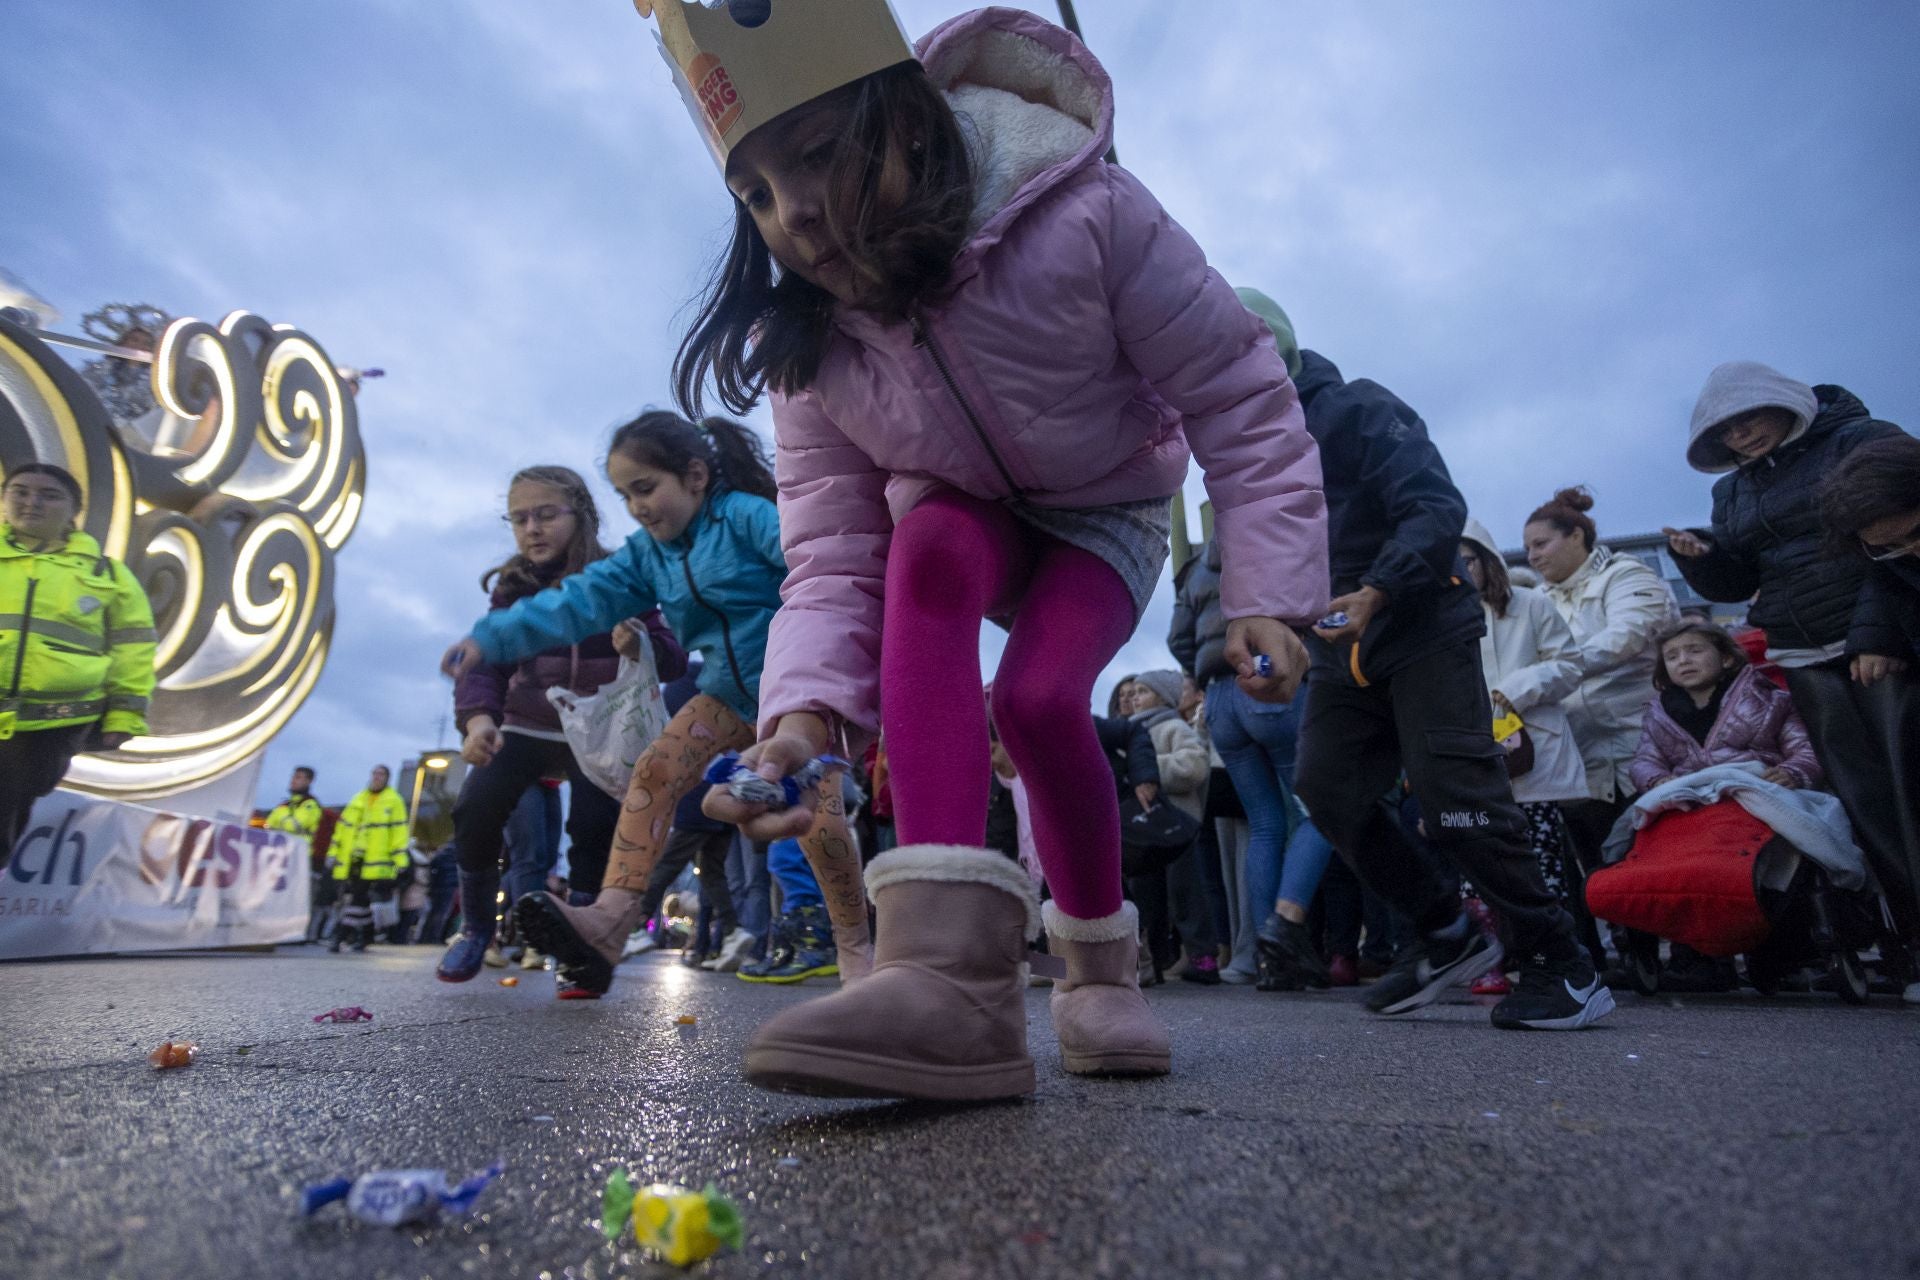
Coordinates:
(1724, 827)
(1715, 709)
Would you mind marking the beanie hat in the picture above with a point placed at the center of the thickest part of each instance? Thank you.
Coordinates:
(1167, 683)
(1737, 387)
(1276, 319)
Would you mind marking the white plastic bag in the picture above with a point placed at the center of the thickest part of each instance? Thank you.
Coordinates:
(609, 728)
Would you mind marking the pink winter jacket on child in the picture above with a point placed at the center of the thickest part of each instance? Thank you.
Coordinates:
(1757, 723)
(1084, 347)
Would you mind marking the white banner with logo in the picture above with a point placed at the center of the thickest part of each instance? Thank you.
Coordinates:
(93, 877)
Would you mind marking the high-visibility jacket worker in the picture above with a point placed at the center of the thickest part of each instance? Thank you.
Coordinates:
(76, 642)
(297, 814)
(371, 840)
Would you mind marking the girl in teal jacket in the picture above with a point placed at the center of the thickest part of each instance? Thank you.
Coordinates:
(708, 557)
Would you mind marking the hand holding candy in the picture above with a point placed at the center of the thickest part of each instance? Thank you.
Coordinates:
(752, 792)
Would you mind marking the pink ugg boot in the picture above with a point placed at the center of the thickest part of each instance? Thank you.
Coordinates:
(942, 1015)
(1104, 1023)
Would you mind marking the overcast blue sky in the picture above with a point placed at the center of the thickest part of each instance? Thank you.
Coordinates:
(1540, 224)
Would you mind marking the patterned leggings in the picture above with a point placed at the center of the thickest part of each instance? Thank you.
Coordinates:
(673, 764)
(1548, 836)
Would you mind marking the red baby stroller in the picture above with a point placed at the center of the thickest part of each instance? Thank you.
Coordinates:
(1723, 882)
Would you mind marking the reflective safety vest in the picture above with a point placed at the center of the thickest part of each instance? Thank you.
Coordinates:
(298, 814)
(371, 840)
(76, 639)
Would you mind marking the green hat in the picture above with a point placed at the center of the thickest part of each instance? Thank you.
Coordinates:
(1269, 310)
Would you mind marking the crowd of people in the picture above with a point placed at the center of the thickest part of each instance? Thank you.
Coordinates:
(1377, 753)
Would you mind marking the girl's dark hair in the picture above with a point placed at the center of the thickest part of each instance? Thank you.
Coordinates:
(1498, 593)
(60, 474)
(1877, 480)
(760, 326)
(518, 576)
(1727, 646)
(733, 454)
(1567, 512)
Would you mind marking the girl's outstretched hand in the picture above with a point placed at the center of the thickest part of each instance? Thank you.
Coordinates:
(462, 658)
(796, 740)
(1251, 638)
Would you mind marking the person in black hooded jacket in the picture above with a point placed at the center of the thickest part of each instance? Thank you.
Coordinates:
(1778, 441)
(1398, 686)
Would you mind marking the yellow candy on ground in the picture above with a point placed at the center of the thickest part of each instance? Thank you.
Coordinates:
(682, 1226)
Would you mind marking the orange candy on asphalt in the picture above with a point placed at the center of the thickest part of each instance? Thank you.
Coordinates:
(174, 1053)
(509, 982)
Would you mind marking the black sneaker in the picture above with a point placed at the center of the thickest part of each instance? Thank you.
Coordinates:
(1563, 996)
(1429, 966)
(1288, 961)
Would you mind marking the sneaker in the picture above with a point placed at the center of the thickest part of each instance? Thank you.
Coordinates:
(1203, 970)
(1491, 983)
(779, 951)
(1912, 994)
(565, 988)
(692, 959)
(1235, 977)
(1429, 966)
(1343, 972)
(639, 943)
(1555, 997)
(1288, 961)
(735, 951)
(1369, 968)
(531, 959)
(812, 953)
(495, 958)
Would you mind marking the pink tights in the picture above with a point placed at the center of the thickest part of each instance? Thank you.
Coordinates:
(954, 561)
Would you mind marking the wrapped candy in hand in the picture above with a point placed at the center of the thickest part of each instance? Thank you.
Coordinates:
(748, 787)
(682, 1226)
(395, 1197)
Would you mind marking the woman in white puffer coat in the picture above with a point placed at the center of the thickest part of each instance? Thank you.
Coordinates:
(1530, 660)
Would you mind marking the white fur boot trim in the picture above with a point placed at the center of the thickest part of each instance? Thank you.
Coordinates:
(1124, 923)
(960, 864)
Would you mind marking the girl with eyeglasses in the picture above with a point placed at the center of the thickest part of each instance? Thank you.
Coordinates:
(512, 732)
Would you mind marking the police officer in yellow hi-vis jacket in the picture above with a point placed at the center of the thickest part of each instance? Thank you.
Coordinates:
(369, 850)
(76, 643)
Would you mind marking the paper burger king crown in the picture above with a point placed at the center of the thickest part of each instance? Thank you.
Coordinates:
(741, 63)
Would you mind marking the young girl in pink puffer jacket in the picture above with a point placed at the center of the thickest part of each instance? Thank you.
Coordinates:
(989, 351)
(1715, 709)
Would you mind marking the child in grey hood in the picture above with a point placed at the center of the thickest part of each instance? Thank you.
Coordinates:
(1775, 441)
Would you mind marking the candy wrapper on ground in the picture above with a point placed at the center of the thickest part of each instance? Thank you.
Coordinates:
(682, 1226)
(395, 1197)
(174, 1053)
(748, 787)
(352, 1013)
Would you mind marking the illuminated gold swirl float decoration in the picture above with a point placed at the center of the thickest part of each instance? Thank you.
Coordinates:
(228, 504)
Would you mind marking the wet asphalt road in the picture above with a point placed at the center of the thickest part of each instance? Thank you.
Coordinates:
(1716, 1136)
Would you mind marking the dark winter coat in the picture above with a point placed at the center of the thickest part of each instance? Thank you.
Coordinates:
(1130, 750)
(1891, 609)
(515, 693)
(1767, 538)
(1393, 521)
(1198, 636)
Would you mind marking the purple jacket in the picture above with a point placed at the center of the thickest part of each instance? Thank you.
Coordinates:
(1085, 346)
(515, 693)
(1757, 723)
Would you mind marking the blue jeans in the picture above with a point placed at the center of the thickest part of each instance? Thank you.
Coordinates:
(788, 867)
(747, 876)
(1257, 741)
(533, 841)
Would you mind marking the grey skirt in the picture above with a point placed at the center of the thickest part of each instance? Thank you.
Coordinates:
(1132, 537)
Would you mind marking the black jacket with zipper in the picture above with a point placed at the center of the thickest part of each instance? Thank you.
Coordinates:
(1394, 521)
(1768, 541)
